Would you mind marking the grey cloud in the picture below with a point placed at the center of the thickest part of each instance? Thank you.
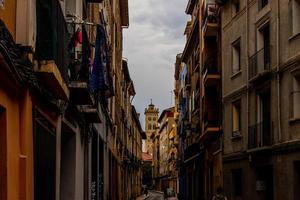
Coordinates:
(154, 37)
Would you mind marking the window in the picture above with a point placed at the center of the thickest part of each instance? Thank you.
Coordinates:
(263, 44)
(149, 118)
(262, 4)
(237, 183)
(236, 56)
(296, 97)
(236, 118)
(295, 17)
(3, 148)
(149, 126)
(236, 6)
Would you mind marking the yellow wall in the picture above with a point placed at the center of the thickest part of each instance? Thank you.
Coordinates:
(8, 15)
(19, 145)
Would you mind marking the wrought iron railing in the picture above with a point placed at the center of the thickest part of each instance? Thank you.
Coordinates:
(260, 135)
(211, 14)
(52, 35)
(260, 62)
(80, 52)
(210, 67)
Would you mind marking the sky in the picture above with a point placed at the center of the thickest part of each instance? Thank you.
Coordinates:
(151, 43)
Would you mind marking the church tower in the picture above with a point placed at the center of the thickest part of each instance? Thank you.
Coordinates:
(151, 122)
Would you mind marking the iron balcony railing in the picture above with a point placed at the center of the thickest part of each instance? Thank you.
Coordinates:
(210, 67)
(80, 53)
(211, 14)
(260, 62)
(260, 135)
(52, 35)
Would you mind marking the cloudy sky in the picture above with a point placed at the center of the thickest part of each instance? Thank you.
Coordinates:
(151, 43)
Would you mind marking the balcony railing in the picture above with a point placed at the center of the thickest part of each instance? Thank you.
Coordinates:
(260, 62)
(52, 35)
(260, 135)
(210, 67)
(211, 14)
(80, 53)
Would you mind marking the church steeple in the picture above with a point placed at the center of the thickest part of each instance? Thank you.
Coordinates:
(151, 120)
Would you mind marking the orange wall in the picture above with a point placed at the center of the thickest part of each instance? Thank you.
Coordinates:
(19, 145)
(8, 15)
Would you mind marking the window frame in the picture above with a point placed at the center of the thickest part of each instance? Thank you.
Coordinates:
(295, 91)
(236, 7)
(295, 4)
(262, 4)
(236, 48)
(236, 104)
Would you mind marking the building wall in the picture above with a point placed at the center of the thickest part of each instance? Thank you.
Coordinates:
(8, 14)
(19, 144)
(284, 62)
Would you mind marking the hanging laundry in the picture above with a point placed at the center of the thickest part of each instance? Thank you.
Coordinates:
(99, 81)
(75, 39)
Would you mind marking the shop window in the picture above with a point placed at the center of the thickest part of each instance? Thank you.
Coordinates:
(262, 4)
(3, 157)
(236, 56)
(237, 183)
(236, 118)
(296, 97)
(295, 16)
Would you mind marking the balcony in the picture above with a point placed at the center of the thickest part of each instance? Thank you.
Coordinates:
(80, 93)
(211, 19)
(90, 113)
(260, 64)
(51, 57)
(211, 73)
(211, 118)
(260, 135)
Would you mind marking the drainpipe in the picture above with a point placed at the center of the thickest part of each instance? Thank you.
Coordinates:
(247, 63)
(278, 74)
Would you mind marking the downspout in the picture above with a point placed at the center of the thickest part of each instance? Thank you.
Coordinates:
(247, 66)
(278, 74)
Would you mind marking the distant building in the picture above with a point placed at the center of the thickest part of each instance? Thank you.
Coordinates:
(151, 118)
(165, 141)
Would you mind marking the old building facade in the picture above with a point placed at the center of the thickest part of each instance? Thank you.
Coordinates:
(165, 150)
(198, 92)
(68, 128)
(261, 98)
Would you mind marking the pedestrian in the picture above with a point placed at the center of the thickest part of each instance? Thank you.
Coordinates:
(219, 195)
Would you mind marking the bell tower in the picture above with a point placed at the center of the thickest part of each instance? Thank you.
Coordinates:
(151, 122)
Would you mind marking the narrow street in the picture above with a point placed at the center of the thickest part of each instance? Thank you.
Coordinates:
(108, 99)
(153, 195)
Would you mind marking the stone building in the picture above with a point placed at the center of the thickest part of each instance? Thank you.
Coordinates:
(166, 176)
(260, 60)
(151, 123)
(198, 90)
(67, 124)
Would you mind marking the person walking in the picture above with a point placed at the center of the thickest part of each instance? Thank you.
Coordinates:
(219, 195)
